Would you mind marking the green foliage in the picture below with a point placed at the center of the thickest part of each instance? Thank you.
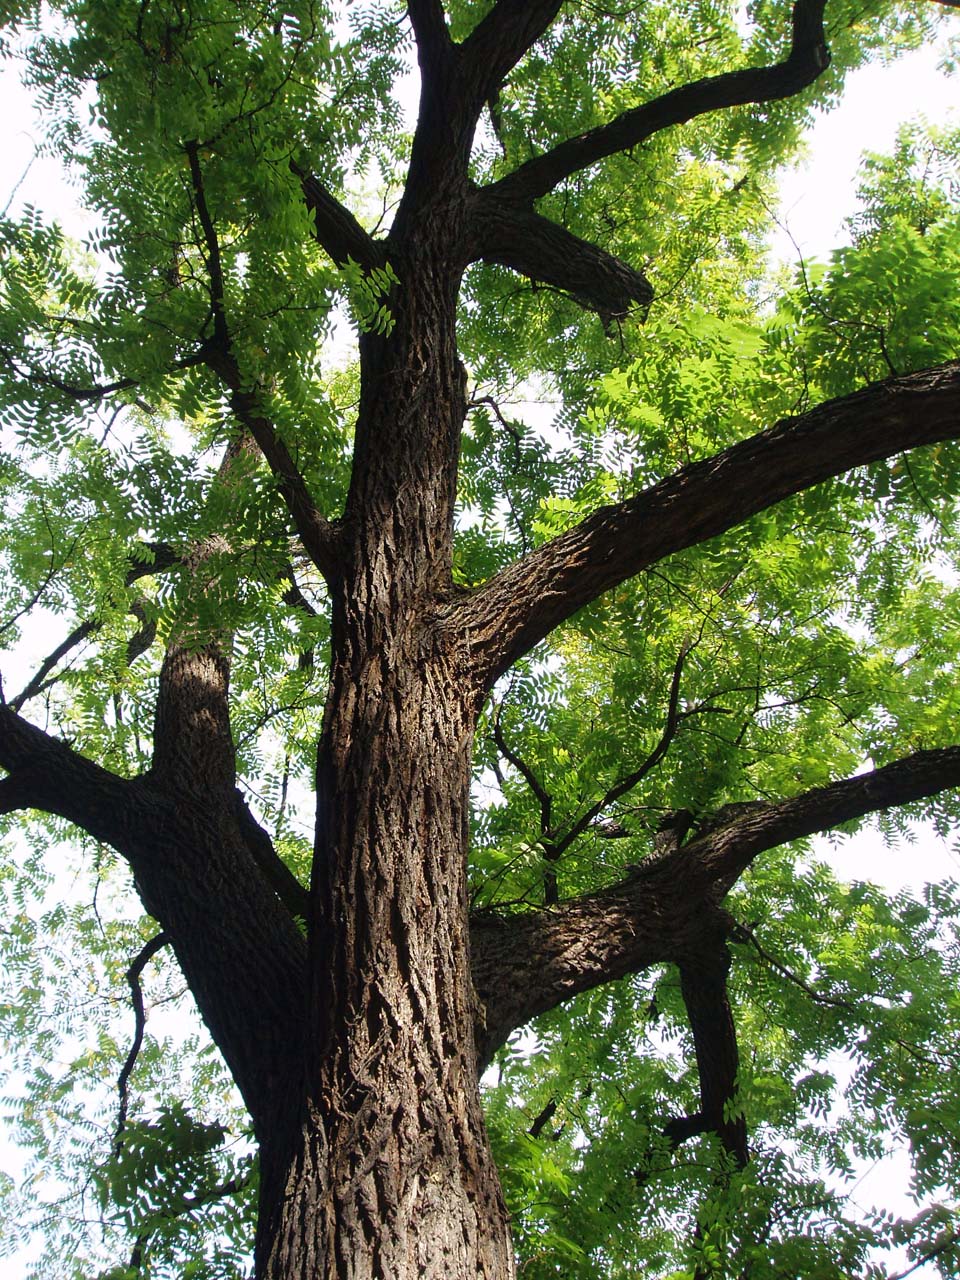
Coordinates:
(817, 636)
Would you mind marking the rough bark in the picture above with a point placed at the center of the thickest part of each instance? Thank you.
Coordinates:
(390, 1172)
(516, 237)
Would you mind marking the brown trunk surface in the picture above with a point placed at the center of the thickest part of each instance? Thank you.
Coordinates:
(386, 1170)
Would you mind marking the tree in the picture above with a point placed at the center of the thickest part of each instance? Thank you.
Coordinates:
(700, 619)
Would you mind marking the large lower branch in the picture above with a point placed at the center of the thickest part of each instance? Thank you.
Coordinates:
(525, 965)
(46, 773)
(532, 245)
(509, 615)
(807, 59)
(195, 873)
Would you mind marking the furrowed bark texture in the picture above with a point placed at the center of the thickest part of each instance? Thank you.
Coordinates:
(391, 1174)
(388, 1171)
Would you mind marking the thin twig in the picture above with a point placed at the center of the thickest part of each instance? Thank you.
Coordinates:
(134, 973)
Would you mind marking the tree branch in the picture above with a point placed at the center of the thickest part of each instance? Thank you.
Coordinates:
(337, 230)
(524, 965)
(807, 59)
(160, 557)
(650, 762)
(513, 611)
(196, 876)
(500, 40)
(534, 246)
(545, 802)
(38, 681)
(214, 261)
(95, 391)
(727, 852)
(703, 985)
(743, 933)
(317, 534)
(47, 774)
(527, 964)
(949, 1239)
(320, 537)
(134, 973)
(188, 1204)
(284, 883)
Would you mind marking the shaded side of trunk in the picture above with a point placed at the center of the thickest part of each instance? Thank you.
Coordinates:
(389, 1172)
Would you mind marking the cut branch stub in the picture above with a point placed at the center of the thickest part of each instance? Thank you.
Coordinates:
(510, 235)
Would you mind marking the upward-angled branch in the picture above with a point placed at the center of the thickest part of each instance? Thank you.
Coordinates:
(727, 851)
(500, 40)
(316, 532)
(516, 609)
(319, 536)
(282, 880)
(429, 24)
(647, 765)
(337, 230)
(807, 59)
(159, 557)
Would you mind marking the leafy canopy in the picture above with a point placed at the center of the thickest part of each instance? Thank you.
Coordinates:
(819, 635)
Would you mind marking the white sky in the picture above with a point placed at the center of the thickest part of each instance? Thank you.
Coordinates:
(816, 198)
(817, 195)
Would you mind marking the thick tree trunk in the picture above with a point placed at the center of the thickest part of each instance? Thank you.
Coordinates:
(387, 1170)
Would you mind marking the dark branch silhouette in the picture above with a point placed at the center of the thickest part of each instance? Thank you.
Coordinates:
(527, 964)
(807, 59)
(515, 610)
(134, 974)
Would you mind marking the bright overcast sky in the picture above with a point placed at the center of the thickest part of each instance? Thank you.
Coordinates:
(817, 195)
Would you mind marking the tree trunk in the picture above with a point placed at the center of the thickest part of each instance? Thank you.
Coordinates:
(387, 1170)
